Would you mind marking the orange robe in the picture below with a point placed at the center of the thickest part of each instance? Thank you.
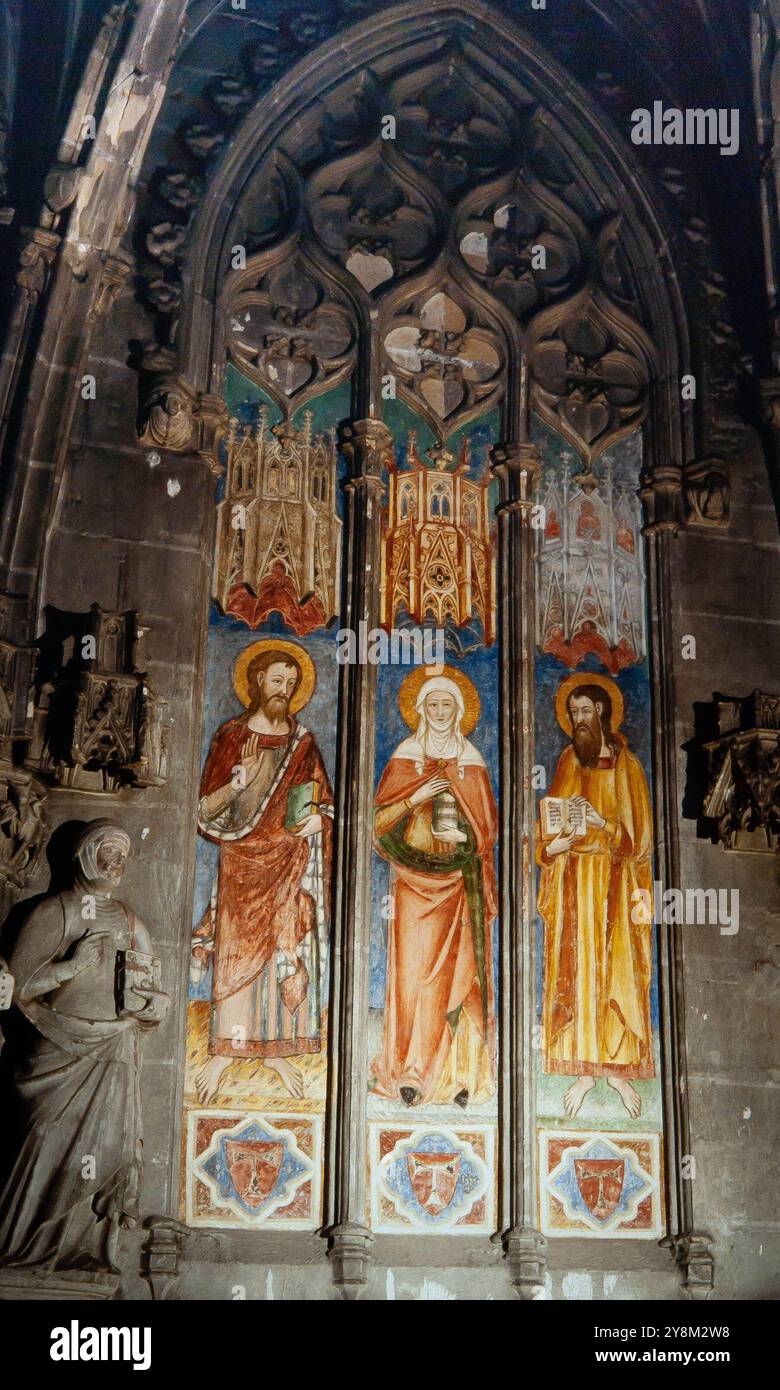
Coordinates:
(439, 958)
(597, 961)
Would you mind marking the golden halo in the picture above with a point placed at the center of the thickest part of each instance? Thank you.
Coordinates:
(277, 644)
(587, 678)
(410, 689)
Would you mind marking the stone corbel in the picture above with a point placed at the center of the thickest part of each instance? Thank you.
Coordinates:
(662, 499)
(180, 420)
(707, 494)
(349, 1252)
(161, 1254)
(692, 1252)
(39, 247)
(742, 801)
(525, 1251)
(113, 278)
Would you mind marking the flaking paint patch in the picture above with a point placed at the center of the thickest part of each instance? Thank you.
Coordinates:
(173, 487)
(610, 1284)
(269, 1286)
(577, 1286)
(431, 1292)
(390, 1286)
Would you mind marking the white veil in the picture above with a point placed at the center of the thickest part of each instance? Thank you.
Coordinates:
(444, 744)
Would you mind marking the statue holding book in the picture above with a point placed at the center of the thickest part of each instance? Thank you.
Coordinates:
(266, 800)
(594, 845)
(86, 988)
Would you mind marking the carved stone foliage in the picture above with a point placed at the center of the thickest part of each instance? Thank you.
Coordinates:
(742, 801)
(286, 332)
(97, 724)
(591, 362)
(448, 361)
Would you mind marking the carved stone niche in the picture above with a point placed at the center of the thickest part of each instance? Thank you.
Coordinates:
(742, 802)
(707, 494)
(97, 725)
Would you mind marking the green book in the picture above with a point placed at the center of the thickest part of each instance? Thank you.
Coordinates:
(302, 801)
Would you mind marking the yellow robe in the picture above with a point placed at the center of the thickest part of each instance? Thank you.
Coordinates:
(597, 961)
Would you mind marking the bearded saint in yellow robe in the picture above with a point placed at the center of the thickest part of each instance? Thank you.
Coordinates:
(597, 942)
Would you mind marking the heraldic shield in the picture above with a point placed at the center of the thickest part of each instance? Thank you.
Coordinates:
(600, 1181)
(434, 1178)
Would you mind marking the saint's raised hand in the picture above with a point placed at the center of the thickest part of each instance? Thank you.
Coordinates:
(429, 790)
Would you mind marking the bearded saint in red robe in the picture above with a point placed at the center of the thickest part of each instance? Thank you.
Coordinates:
(267, 918)
(436, 825)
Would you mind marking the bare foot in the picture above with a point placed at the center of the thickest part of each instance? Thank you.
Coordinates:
(576, 1094)
(290, 1077)
(209, 1078)
(627, 1094)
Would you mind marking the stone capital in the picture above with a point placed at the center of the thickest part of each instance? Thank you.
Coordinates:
(517, 467)
(368, 448)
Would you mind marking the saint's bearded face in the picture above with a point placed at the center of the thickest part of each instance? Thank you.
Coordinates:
(275, 687)
(587, 732)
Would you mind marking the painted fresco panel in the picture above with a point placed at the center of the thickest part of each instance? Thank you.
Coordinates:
(598, 1063)
(433, 967)
(257, 1018)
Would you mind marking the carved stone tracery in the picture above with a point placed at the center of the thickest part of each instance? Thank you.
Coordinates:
(447, 358)
(591, 363)
(287, 332)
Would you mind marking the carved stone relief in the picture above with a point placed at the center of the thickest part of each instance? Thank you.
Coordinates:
(97, 724)
(742, 802)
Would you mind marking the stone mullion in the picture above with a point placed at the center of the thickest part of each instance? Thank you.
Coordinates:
(367, 445)
(516, 466)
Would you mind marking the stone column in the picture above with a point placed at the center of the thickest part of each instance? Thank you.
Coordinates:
(690, 1248)
(367, 445)
(516, 466)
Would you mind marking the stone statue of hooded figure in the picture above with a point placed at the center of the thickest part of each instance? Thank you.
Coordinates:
(85, 987)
